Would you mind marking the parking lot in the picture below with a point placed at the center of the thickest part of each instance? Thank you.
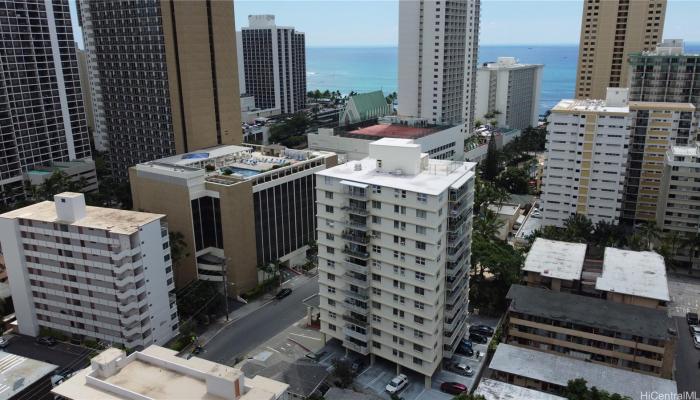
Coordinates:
(65, 356)
(375, 377)
(684, 295)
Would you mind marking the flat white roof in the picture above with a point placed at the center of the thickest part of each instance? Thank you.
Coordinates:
(438, 177)
(636, 273)
(109, 219)
(582, 105)
(559, 370)
(555, 259)
(17, 373)
(496, 390)
(505, 209)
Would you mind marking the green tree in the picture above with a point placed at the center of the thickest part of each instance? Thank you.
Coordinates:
(342, 372)
(491, 165)
(607, 234)
(178, 247)
(578, 228)
(672, 242)
(514, 180)
(577, 389)
(691, 243)
(487, 224)
(291, 132)
(650, 233)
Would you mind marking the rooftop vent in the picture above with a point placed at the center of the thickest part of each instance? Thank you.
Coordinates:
(357, 167)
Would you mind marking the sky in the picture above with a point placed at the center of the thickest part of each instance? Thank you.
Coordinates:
(503, 22)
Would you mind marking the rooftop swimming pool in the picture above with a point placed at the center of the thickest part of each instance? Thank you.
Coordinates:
(242, 171)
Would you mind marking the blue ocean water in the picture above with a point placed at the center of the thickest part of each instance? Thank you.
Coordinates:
(364, 69)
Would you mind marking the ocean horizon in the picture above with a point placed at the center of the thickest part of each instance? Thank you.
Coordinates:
(368, 68)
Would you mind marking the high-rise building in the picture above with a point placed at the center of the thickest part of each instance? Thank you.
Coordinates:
(90, 272)
(610, 31)
(42, 120)
(438, 44)
(85, 88)
(666, 74)
(274, 64)
(605, 157)
(679, 206)
(237, 207)
(166, 75)
(394, 238)
(508, 92)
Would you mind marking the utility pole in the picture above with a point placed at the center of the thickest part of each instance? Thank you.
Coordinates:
(224, 272)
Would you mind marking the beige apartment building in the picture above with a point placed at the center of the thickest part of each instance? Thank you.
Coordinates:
(237, 207)
(164, 77)
(610, 31)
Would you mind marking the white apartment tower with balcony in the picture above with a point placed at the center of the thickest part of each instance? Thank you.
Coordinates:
(90, 272)
(438, 45)
(394, 239)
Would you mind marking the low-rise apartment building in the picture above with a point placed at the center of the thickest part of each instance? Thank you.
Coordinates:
(394, 239)
(237, 207)
(90, 272)
(602, 332)
(550, 373)
(158, 373)
(351, 142)
(604, 158)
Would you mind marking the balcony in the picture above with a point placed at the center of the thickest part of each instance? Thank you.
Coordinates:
(364, 350)
(355, 267)
(348, 317)
(356, 210)
(359, 294)
(357, 194)
(353, 237)
(349, 332)
(356, 308)
(357, 279)
(362, 225)
(363, 255)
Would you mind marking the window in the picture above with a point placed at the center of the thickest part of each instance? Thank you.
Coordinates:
(400, 240)
(422, 214)
(399, 270)
(420, 291)
(376, 318)
(330, 276)
(399, 285)
(420, 276)
(417, 361)
(376, 249)
(376, 332)
(330, 236)
(329, 195)
(422, 197)
(421, 230)
(330, 250)
(418, 334)
(420, 245)
(399, 299)
(331, 289)
(417, 304)
(399, 313)
(376, 189)
(376, 277)
(376, 220)
(331, 302)
(399, 225)
(376, 204)
(331, 327)
(377, 305)
(399, 327)
(420, 260)
(377, 291)
(418, 320)
(329, 209)
(376, 345)
(330, 263)
(328, 180)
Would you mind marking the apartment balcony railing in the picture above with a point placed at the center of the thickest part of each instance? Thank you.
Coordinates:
(350, 306)
(362, 225)
(356, 253)
(356, 210)
(364, 350)
(358, 280)
(355, 321)
(362, 239)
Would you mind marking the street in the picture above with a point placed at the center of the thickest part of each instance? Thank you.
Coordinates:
(247, 333)
(687, 358)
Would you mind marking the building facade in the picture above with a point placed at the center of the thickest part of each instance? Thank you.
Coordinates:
(237, 207)
(274, 64)
(510, 92)
(394, 239)
(166, 77)
(666, 74)
(610, 30)
(89, 272)
(679, 206)
(438, 45)
(42, 119)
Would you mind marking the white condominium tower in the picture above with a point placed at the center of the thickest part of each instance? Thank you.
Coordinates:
(438, 44)
(90, 272)
(394, 238)
(605, 157)
(274, 64)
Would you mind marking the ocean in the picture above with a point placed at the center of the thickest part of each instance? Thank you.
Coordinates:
(365, 69)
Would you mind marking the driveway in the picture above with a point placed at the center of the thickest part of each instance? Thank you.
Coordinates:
(684, 295)
(687, 358)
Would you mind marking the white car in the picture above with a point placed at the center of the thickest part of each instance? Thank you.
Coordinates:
(536, 214)
(464, 369)
(694, 330)
(397, 384)
(696, 341)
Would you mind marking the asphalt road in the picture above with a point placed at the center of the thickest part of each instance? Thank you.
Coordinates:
(687, 358)
(256, 328)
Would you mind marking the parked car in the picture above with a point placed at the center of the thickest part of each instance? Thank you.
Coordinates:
(463, 369)
(464, 350)
(694, 330)
(481, 330)
(453, 388)
(46, 341)
(4, 342)
(315, 356)
(696, 341)
(466, 342)
(536, 214)
(477, 338)
(197, 350)
(691, 318)
(283, 293)
(397, 384)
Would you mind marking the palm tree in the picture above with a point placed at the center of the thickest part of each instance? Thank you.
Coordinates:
(578, 228)
(650, 232)
(487, 224)
(178, 247)
(692, 244)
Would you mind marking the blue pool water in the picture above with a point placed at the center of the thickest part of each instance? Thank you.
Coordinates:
(242, 171)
